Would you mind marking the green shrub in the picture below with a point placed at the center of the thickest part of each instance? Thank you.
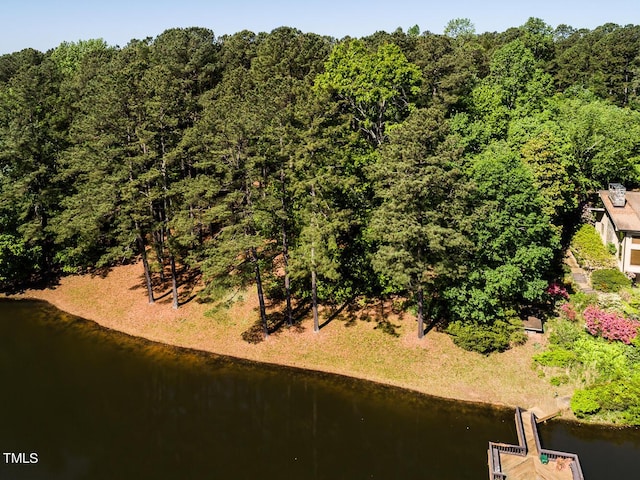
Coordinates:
(619, 400)
(609, 280)
(556, 357)
(632, 297)
(632, 415)
(589, 250)
(618, 395)
(611, 302)
(481, 338)
(565, 333)
(633, 354)
(585, 402)
(476, 338)
(581, 300)
(605, 361)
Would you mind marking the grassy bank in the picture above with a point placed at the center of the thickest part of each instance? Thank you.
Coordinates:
(345, 345)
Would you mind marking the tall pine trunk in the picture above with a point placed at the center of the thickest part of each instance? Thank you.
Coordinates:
(253, 255)
(314, 291)
(285, 244)
(420, 312)
(145, 263)
(174, 281)
(142, 247)
(158, 245)
(314, 275)
(314, 294)
(287, 279)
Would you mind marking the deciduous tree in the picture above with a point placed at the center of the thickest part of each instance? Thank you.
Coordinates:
(377, 88)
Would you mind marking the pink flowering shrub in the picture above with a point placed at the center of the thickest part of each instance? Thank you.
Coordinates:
(611, 326)
(557, 291)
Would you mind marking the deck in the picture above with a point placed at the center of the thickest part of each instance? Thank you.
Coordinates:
(525, 460)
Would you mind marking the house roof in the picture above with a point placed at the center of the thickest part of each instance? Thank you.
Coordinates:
(627, 218)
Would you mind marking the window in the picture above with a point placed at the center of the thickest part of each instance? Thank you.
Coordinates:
(635, 258)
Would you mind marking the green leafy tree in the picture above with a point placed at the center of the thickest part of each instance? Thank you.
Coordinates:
(604, 60)
(364, 92)
(546, 150)
(106, 215)
(377, 88)
(17, 260)
(548, 160)
(520, 83)
(326, 195)
(514, 242)
(414, 31)
(182, 66)
(603, 139)
(516, 88)
(538, 38)
(69, 56)
(316, 252)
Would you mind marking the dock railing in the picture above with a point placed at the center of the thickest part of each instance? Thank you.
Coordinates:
(522, 439)
(521, 450)
(576, 469)
(495, 470)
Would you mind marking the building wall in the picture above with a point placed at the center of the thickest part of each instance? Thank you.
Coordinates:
(627, 245)
(627, 249)
(607, 232)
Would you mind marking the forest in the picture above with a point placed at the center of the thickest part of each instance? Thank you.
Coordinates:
(448, 170)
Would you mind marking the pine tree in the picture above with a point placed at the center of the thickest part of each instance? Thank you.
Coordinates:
(419, 227)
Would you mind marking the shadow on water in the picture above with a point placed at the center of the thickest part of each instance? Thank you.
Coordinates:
(97, 404)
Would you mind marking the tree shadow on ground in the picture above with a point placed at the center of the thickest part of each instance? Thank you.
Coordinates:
(101, 272)
(361, 309)
(334, 312)
(277, 321)
(48, 280)
(187, 280)
(433, 324)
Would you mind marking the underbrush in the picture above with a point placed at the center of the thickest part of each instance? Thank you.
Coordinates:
(589, 250)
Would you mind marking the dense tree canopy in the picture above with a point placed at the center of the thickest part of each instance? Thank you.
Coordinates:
(441, 168)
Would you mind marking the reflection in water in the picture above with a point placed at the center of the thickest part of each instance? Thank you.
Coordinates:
(96, 404)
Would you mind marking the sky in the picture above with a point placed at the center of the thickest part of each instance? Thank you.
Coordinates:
(44, 24)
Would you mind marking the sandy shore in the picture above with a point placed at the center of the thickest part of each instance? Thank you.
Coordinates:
(348, 346)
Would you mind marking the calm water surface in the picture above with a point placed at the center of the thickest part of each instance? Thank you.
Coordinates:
(95, 404)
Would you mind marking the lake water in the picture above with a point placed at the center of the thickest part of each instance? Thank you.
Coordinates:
(96, 404)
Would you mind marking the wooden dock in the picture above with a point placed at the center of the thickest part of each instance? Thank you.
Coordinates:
(528, 460)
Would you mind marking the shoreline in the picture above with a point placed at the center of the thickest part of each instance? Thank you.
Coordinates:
(181, 350)
(348, 346)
